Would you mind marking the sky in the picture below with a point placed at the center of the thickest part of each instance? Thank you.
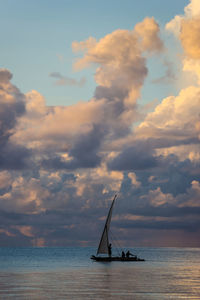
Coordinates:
(98, 99)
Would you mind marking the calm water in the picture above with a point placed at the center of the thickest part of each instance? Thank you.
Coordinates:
(68, 273)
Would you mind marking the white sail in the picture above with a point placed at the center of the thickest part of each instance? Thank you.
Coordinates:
(104, 242)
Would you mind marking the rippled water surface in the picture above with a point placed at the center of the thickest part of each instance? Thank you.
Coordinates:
(68, 273)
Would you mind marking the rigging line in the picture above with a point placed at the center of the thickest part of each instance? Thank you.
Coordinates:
(116, 249)
(114, 242)
(117, 242)
(115, 246)
(118, 246)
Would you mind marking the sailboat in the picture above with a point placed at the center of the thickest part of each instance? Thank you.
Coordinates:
(105, 245)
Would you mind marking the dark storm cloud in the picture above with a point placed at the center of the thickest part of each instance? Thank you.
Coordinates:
(72, 226)
(86, 148)
(179, 174)
(9, 217)
(14, 157)
(137, 157)
(12, 106)
(59, 228)
(142, 155)
(111, 94)
(71, 222)
(83, 154)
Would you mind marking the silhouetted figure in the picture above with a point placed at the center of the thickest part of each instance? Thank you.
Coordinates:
(110, 250)
(123, 254)
(128, 254)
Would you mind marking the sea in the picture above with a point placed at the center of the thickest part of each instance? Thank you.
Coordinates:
(69, 273)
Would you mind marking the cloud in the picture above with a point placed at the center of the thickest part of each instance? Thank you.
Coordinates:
(122, 65)
(12, 104)
(25, 230)
(174, 119)
(24, 195)
(5, 179)
(169, 75)
(12, 107)
(192, 10)
(133, 178)
(67, 81)
(137, 157)
(120, 76)
(186, 28)
(148, 33)
(61, 165)
(55, 128)
(5, 76)
(83, 154)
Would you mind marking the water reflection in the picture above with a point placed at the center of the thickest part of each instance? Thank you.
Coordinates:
(104, 282)
(174, 275)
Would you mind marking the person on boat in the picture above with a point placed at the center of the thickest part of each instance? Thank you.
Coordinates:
(123, 254)
(110, 250)
(128, 254)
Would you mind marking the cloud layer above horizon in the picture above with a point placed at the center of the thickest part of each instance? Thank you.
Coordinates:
(60, 166)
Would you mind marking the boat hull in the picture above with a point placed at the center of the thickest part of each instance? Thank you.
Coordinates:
(115, 258)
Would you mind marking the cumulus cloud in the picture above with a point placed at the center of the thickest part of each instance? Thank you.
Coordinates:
(56, 127)
(186, 28)
(24, 196)
(189, 37)
(148, 32)
(192, 10)
(12, 104)
(122, 65)
(175, 118)
(137, 157)
(134, 180)
(79, 156)
(12, 107)
(83, 154)
(120, 74)
(5, 179)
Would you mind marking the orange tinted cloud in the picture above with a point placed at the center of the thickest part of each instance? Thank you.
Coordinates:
(25, 230)
(119, 56)
(190, 37)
